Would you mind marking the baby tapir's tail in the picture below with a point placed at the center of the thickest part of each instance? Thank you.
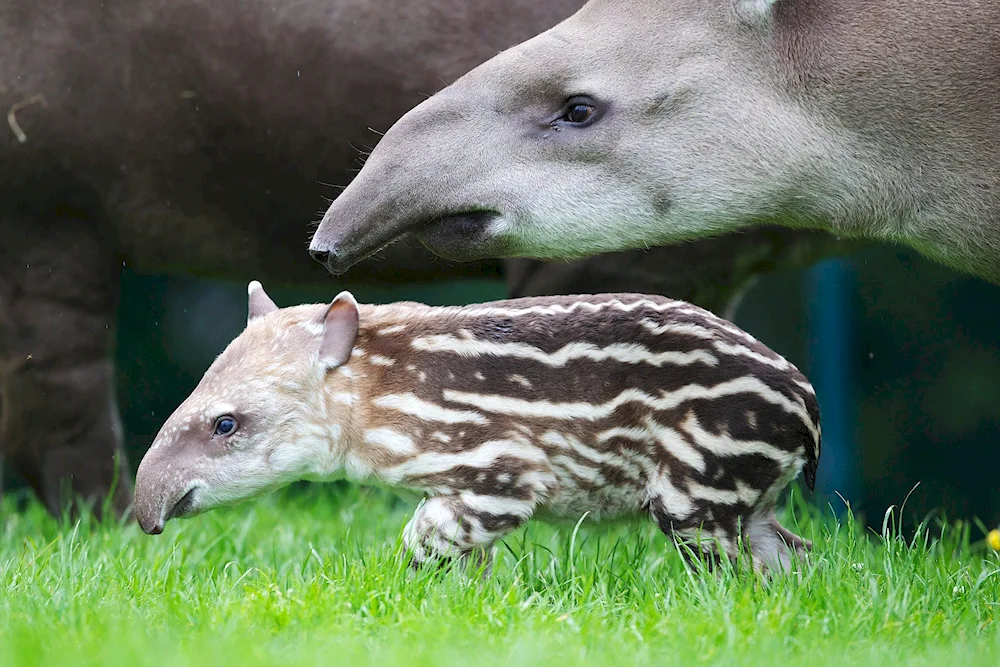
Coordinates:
(812, 453)
(812, 463)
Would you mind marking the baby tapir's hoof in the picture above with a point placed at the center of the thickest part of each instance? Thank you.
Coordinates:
(772, 545)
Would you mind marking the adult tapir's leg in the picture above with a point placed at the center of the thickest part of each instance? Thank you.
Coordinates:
(59, 424)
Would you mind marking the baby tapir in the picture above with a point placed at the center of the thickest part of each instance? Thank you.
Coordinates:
(612, 404)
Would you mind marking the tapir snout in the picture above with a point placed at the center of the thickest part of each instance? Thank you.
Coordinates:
(174, 473)
(457, 214)
(163, 491)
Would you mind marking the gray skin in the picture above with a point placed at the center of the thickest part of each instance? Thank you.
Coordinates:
(643, 122)
(199, 137)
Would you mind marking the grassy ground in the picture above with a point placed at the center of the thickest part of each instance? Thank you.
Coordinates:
(316, 579)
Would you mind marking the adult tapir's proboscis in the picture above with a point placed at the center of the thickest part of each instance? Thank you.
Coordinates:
(203, 137)
(642, 122)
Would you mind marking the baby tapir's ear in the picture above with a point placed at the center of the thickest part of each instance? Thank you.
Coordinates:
(259, 303)
(340, 330)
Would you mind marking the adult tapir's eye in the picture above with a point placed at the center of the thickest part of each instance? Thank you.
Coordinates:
(225, 426)
(579, 111)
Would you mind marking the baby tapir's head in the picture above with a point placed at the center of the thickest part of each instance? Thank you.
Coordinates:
(258, 419)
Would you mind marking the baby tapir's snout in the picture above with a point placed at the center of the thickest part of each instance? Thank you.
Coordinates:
(608, 405)
(166, 484)
(174, 470)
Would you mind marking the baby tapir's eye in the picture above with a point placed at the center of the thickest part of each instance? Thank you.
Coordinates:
(225, 426)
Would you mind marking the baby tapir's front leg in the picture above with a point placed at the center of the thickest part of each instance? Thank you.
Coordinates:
(458, 525)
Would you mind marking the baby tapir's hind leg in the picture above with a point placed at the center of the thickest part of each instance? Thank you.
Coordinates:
(448, 527)
(771, 544)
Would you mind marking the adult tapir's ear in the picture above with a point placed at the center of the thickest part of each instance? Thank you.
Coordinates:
(756, 11)
(259, 303)
(340, 330)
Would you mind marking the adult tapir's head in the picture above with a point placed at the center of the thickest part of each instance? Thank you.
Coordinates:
(633, 123)
(258, 419)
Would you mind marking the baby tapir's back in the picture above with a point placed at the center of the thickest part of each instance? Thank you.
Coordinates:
(606, 403)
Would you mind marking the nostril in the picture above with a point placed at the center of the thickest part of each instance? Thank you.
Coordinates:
(152, 528)
(320, 256)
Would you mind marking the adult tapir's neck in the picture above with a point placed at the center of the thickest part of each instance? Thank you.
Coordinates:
(887, 68)
(914, 85)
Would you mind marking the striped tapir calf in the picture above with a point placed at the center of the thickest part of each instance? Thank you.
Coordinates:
(552, 407)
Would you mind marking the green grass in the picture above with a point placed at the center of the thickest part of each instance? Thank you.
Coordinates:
(316, 579)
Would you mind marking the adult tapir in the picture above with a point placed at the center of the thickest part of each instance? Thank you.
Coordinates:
(196, 136)
(642, 122)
